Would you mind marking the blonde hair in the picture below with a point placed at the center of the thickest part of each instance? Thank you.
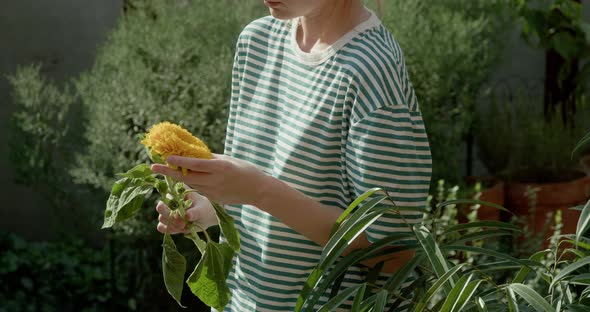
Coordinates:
(379, 8)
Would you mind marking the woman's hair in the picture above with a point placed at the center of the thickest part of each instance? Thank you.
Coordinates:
(379, 7)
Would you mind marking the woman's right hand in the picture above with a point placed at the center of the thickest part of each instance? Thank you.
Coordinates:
(201, 213)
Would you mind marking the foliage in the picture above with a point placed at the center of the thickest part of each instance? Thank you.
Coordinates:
(557, 25)
(208, 279)
(64, 276)
(449, 47)
(71, 275)
(42, 129)
(555, 279)
(165, 65)
(165, 60)
(517, 144)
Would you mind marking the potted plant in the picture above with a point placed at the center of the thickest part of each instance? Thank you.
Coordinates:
(531, 155)
(487, 189)
(553, 279)
(558, 27)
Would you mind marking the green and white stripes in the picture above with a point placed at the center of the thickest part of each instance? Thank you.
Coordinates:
(332, 126)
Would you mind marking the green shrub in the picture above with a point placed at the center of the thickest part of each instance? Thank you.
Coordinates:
(166, 60)
(554, 279)
(449, 47)
(444, 276)
(68, 275)
(516, 142)
(65, 276)
(44, 136)
(173, 64)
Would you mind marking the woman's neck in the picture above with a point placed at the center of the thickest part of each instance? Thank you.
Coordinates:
(321, 29)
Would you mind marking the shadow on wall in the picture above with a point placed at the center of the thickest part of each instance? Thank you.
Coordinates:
(62, 35)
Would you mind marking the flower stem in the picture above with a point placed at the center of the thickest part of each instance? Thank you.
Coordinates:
(171, 185)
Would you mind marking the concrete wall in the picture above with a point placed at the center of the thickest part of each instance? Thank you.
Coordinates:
(63, 35)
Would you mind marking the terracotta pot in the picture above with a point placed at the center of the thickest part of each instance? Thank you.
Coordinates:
(550, 197)
(493, 194)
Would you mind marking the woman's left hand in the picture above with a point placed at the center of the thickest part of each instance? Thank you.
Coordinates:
(223, 179)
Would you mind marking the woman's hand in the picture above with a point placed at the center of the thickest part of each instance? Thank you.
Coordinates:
(200, 213)
(223, 179)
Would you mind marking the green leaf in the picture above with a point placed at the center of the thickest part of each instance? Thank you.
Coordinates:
(479, 225)
(320, 279)
(492, 253)
(583, 242)
(369, 303)
(500, 266)
(577, 308)
(373, 273)
(351, 208)
(228, 227)
(360, 295)
(127, 196)
(453, 296)
(434, 254)
(334, 248)
(400, 276)
(138, 172)
(581, 279)
(479, 235)
(380, 301)
(583, 221)
(578, 253)
(565, 44)
(585, 140)
(585, 292)
(532, 297)
(201, 244)
(353, 227)
(568, 270)
(473, 202)
(481, 305)
(341, 298)
(512, 301)
(208, 280)
(422, 304)
(173, 267)
(466, 295)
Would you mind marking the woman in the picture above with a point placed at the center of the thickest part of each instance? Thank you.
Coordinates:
(322, 109)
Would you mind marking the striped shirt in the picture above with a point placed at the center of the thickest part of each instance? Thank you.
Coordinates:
(332, 125)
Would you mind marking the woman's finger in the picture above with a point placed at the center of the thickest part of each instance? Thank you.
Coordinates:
(171, 229)
(167, 171)
(162, 228)
(195, 164)
(192, 178)
(163, 209)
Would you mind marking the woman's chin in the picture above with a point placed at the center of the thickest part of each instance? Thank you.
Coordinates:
(280, 14)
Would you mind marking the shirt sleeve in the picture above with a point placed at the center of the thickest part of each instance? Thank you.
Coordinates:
(236, 76)
(388, 148)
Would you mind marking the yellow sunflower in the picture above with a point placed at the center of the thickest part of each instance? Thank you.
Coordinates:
(165, 139)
